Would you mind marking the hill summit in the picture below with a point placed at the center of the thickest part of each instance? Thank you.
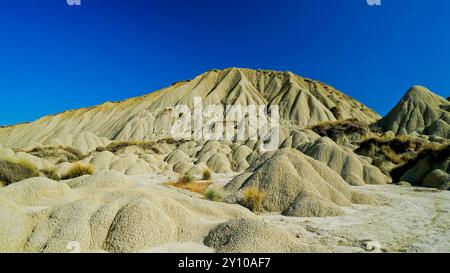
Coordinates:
(420, 111)
(302, 102)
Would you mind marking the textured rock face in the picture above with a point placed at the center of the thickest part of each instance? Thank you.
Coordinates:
(246, 235)
(302, 102)
(432, 171)
(419, 111)
(103, 212)
(353, 169)
(296, 185)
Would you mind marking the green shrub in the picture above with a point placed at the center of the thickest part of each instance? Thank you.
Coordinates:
(339, 129)
(253, 199)
(115, 147)
(57, 154)
(77, 170)
(186, 179)
(434, 152)
(100, 149)
(14, 171)
(398, 150)
(207, 174)
(212, 195)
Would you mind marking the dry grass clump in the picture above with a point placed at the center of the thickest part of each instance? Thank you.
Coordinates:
(212, 195)
(77, 170)
(51, 174)
(115, 147)
(14, 171)
(253, 199)
(197, 187)
(58, 154)
(339, 129)
(207, 174)
(186, 179)
(436, 153)
(145, 145)
(398, 150)
(119, 145)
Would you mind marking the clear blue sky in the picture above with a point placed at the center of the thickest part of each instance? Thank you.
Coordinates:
(55, 57)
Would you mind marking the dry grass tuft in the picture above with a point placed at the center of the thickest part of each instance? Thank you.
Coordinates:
(253, 199)
(186, 179)
(337, 130)
(436, 153)
(51, 174)
(14, 171)
(77, 170)
(212, 195)
(197, 187)
(148, 146)
(207, 174)
(57, 154)
(398, 150)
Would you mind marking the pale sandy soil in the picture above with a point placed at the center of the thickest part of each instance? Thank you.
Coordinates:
(408, 220)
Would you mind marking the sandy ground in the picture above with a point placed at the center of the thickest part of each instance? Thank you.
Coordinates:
(407, 219)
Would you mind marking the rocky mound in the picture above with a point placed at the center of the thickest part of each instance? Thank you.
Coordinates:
(419, 111)
(302, 102)
(105, 211)
(247, 236)
(430, 168)
(296, 185)
(355, 170)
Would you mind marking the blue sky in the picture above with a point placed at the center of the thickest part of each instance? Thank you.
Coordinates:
(55, 57)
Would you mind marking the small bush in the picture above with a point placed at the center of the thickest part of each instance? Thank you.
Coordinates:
(186, 179)
(51, 174)
(434, 152)
(100, 149)
(212, 195)
(77, 170)
(156, 150)
(14, 171)
(397, 150)
(207, 174)
(116, 147)
(253, 199)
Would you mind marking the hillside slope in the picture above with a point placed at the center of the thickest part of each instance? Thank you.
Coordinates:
(420, 111)
(302, 103)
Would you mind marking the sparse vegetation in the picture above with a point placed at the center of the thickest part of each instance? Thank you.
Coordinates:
(212, 195)
(338, 130)
(148, 146)
(197, 187)
(57, 154)
(77, 170)
(207, 174)
(398, 150)
(51, 174)
(186, 179)
(253, 199)
(14, 171)
(436, 153)
(117, 146)
(101, 149)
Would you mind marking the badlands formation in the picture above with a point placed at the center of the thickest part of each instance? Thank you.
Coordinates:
(112, 178)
